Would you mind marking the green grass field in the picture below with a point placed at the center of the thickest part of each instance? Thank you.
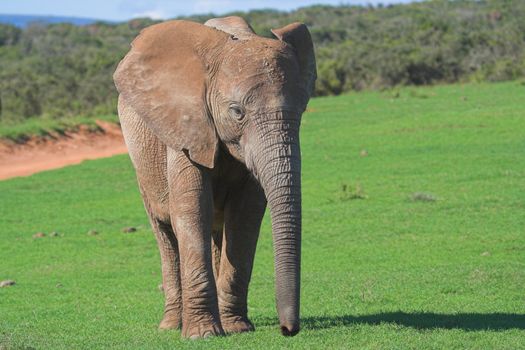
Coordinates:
(414, 236)
(21, 131)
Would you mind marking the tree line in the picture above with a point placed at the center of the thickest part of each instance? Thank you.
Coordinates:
(62, 70)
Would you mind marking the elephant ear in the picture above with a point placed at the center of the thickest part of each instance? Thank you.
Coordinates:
(233, 25)
(298, 36)
(163, 78)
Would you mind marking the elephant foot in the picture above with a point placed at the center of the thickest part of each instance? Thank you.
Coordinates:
(237, 324)
(201, 328)
(171, 320)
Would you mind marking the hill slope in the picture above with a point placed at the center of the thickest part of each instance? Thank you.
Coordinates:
(63, 70)
(23, 21)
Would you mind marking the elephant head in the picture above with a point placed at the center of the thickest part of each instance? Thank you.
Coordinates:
(201, 87)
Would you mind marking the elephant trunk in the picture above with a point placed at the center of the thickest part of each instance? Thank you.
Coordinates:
(278, 166)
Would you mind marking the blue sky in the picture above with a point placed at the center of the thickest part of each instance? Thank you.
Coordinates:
(158, 9)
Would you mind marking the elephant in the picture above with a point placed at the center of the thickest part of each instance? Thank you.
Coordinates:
(210, 115)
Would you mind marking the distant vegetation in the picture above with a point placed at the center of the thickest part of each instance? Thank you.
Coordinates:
(62, 70)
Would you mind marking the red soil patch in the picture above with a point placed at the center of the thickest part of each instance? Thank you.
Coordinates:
(56, 151)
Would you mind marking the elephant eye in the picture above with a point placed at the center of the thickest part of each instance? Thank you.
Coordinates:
(236, 111)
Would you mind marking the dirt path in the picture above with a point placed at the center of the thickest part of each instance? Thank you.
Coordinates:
(41, 154)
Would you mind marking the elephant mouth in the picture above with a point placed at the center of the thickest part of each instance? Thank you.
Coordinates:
(234, 149)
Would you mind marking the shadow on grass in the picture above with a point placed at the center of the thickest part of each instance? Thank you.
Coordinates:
(464, 321)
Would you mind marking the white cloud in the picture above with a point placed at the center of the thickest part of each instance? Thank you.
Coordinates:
(153, 14)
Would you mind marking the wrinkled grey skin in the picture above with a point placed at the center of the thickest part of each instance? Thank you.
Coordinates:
(210, 114)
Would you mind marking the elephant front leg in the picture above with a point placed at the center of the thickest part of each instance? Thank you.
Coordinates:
(169, 257)
(243, 214)
(169, 254)
(191, 212)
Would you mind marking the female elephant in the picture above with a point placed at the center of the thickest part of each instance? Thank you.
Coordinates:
(210, 115)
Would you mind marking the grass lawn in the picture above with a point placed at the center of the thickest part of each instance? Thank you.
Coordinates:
(20, 131)
(414, 236)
